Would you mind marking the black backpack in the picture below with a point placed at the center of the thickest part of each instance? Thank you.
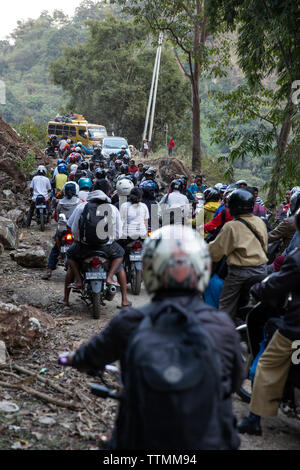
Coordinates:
(88, 224)
(172, 384)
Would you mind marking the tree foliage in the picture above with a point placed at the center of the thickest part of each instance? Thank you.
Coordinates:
(108, 79)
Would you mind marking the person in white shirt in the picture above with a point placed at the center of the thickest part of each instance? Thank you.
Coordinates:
(40, 185)
(134, 216)
(114, 251)
(175, 199)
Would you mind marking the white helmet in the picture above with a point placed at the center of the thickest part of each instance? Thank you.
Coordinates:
(74, 168)
(176, 258)
(218, 186)
(124, 186)
(79, 144)
(295, 189)
(42, 169)
(77, 149)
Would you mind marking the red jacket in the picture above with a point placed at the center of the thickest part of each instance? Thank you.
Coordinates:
(133, 169)
(217, 221)
(171, 144)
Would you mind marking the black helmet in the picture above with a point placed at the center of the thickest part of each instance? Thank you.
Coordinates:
(100, 173)
(176, 185)
(126, 159)
(240, 201)
(211, 194)
(297, 220)
(124, 169)
(295, 202)
(84, 166)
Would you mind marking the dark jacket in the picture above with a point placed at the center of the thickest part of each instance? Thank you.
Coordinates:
(281, 290)
(284, 231)
(110, 345)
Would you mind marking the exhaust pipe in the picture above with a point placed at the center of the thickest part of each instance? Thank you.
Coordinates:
(110, 292)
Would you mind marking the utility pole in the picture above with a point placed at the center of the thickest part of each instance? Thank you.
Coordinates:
(153, 93)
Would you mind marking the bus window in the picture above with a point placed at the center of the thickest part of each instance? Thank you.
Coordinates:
(59, 130)
(73, 131)
(66, 130)
(82, 133)
(51, 129)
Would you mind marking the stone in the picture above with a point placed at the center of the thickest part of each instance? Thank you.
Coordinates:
(17, 216)
(9, 233)
(8, 194)
(23, 327)
(31, 258)
(2, 353)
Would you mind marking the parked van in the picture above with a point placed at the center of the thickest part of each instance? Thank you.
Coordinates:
(77, 129)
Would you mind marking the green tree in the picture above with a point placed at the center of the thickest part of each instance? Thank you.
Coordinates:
(268, 46)
(108, 79)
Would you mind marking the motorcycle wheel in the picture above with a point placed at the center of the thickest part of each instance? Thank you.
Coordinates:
(42, 221)
(96, 305)
(136, 281)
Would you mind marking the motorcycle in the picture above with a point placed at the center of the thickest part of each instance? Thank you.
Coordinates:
(256, 333)
(94, 271)
(42, 213)
(134, 265)
(67, 237)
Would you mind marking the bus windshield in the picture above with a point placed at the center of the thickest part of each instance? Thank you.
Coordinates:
(96, 132)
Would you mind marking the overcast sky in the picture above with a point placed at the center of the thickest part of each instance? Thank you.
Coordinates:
(14, 10)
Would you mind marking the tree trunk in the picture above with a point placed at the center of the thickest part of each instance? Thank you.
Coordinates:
(196, 158)
(280, 152)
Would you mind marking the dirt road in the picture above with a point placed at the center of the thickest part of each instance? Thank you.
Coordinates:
(42, 424)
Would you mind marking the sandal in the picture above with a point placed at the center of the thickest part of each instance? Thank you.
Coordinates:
(124, 306)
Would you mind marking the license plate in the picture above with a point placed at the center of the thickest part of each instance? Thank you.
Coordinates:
(135, 257)
(95, 276)
(41, 207)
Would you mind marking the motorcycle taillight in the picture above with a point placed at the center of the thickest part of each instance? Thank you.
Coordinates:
(96, 262)
(69, 238)
(137, 246)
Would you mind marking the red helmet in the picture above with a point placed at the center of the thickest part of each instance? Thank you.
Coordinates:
(72, 159)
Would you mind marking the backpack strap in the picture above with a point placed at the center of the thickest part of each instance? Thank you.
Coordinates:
(253, 231)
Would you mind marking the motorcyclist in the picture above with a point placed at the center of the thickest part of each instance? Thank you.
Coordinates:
(123, 152)
(185, 189)
(176, 270)
(40, 184)
(123, 189)
(134, 216)
(150, 176)
(66, 206)
(73, 170)
(282, 209)
(84, 149)
(149, 199)
(113, 250)
(97, 157)
(286, 228)
(173, 200)
(197, 186)
(85, 185)
(274, 364)
(244, 241)
(61, 178)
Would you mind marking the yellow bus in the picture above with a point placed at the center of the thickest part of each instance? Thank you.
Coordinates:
(77, 129)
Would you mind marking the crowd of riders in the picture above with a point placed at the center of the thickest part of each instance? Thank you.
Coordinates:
(226, 245)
